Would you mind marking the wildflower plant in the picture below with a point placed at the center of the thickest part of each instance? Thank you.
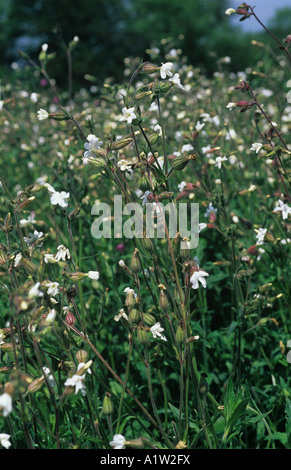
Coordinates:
(114, 342)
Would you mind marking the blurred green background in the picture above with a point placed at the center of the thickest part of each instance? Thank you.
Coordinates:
(110, 30)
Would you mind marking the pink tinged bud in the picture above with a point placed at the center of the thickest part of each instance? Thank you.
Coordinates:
(242, 103)
(70, 319)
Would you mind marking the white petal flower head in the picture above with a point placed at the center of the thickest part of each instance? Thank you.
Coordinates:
(199, 126)
(219, 161)
(94, 275)
(118, 441)
(176, 80)
(198, 276)
(35, 291)
(230, 11)
(231, 105)
(120, 315)
(124, 165)
(63, 253)
(6, 404)
(53, 288)
(261, 235)
(17, 259)
(49, 258)
(42, 114)
(156, 331)
(187, 148)
(92, 145)
(182, 185)
(77, 382)
(165, 69)
(59, 198)
(256, 147)
(51, 316)
(128, 115)
(128, 290)
(284, 208)
(4, 440)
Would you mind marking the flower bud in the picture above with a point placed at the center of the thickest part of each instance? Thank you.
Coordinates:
(121, 143)
(179, 163)
(164, 303)
(28, 265)
(153, 138)
(136, 443)
(147, 244)
(142, 336)
(36, 385)
(70, 319)
(135, 265)
(180, 335)
(134, 315)
(98, 163)
(77, 276)
(107, 407)
(149, 319)
(140, 96)
(6, 347)
(149, 68)
(164, 87)
(81, 355)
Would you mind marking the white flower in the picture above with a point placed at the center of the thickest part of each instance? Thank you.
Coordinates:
(128, 290)
(63, 253)
(156, 331)
(261, 235)
(77, 382)
(49, 258)
(128, 115)
(256, 146)
(121, 263)
(35, 291)
(198, 276)
(202, 225)
(82, 364)
(4, 440)
(42, 114)
(2, 337)
(34, 97)
(59, 198)
(118, 441)
(33, 237)
(49, 376)
(199, 126)
(158, 129)
(231, 105)
(51, 316)
(93, 275)
(6, 404)
(187, 148)
(91, 146)
(284, 208)
(124, 165)
(176, 80)
(120, 315)
(230, 11)
(17, 259)
(53, 288)
(145, 197)
(182, 185)
(219, 160)
(44, 47)
(165, 69)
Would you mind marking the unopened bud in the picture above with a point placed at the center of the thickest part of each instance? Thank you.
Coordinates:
(70, 319)
(136, 443)
(121, 143)
(149, 319)
(134, 315)
(36, 385)
(164, 303)
(142, 336)
(6, 347)
(180, 335)
(81, 356)
(149, 68)
(107, 407)
(153, 138)
(135, 265)
(77, 276)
